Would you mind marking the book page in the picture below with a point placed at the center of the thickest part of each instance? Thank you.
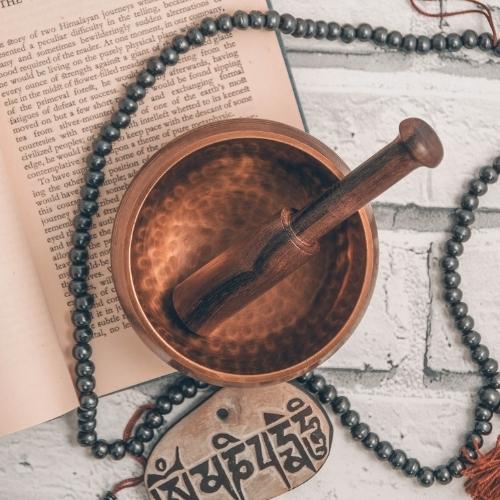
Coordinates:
(63, 67)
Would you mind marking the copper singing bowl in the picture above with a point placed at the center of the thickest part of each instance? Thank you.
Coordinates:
(201, 193)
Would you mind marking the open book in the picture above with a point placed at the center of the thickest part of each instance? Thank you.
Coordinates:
(63, 67)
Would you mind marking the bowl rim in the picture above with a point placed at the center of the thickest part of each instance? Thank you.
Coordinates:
(144, 182)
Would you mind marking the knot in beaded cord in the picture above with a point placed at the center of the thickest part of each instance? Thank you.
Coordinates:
(186, 387)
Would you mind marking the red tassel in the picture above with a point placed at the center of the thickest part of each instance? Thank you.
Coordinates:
(483, 475)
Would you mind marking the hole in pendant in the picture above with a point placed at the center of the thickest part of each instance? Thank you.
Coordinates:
(222, 413)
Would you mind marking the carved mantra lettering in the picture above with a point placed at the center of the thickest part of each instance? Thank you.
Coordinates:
(284, 449)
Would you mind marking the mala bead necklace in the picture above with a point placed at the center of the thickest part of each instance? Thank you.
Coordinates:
(483, 471)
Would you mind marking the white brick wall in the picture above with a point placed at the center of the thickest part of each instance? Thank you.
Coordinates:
(404, 368)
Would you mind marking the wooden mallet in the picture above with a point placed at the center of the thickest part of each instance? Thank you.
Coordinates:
(259, 261)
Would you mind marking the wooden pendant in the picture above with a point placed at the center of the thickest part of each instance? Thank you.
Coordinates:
(254, 443)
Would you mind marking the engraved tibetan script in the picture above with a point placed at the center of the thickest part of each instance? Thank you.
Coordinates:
(275, 451)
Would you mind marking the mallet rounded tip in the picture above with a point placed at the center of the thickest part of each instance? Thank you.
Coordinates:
(422, 141)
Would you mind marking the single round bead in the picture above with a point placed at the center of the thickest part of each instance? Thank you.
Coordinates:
(411, 467)
(88, 207)
(156, 66)
(397, 459)
(78, 255)
(425, 477)
(84, 368)
(272, 20)
(100, 449)
(110, 133)
(94, 179)
(153, 419)
(201, 385)
(471, 339)
(371, 440)
(175, 395)
(461, 233)
(454, 248)
(134, 447)
(452, 279)
(360, 431)
(180, 44)
(195, 37)
(453, 295)
(334, 31)
(316, 384)
(163, 405)
(480, 353)
(409, 43)
(81, 239)
(485, 41)
(449, 263)
(488, 174)
(120, 119)
(439, 43)
(490, 398)
(86, 415)
(82, 222)
(85, 384)
(468, 454)
(474, 440)
(350, 418)
(453, 42)
(257, 19)
(146, 79)
(102, 147)
(493, 381)
(89, 193)
(394, 40)
(321, 30)
(188, 387)
(81, 318)
(364, 32)
(489, 367)
(208, 26)
(469, 39)
(442, 475)
(240, 20)
(87, 438)
(89, 401)
(424, 45)
(144, 433)
(483, 414)
(300, 28)
(383, 450)
(117, 449)
(109, 496)
(348, 33)
(82, 352)
(456, 467)
(287, 24)
(87, 426)
(340, 405)
(310, 29)
(469, 201)
(306, 377)
(96, 162)
(169, 56)
(136, 92)
(128, 106)
(84, 302)
(465, 324)
(478, 187)
(459, 310)
(482, 427)
(379, 36)
(465, 217)
(327, 394)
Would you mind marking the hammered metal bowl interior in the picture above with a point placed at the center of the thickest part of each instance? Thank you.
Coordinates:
(201, 205)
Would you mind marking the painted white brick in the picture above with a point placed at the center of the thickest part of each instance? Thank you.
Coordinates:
(480, 271)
